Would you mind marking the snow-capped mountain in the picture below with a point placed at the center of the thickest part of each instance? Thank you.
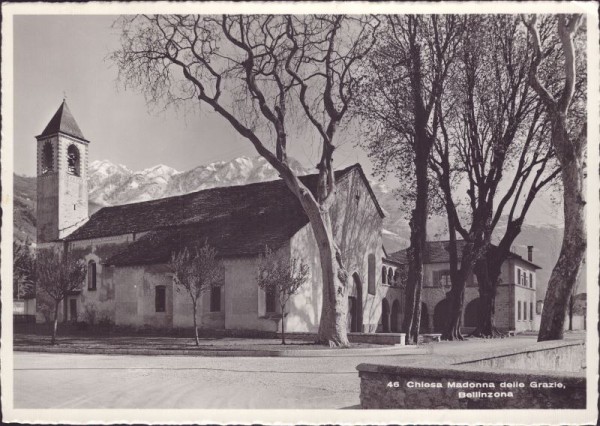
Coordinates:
(112, 184)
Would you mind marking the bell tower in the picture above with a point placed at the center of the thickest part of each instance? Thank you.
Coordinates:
(62, 192)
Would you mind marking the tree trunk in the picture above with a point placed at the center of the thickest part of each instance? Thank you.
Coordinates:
(456, 299)
(333, 322)
(488, 275)
(418, 237)
(195, 324)
(412, 315)
(416, 322)
(564, 275)
(55, 322)
(333, 325)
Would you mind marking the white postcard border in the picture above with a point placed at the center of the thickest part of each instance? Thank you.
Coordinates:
(181, 416)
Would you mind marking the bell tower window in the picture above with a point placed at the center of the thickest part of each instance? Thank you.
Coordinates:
(73, 160)
(47, 158)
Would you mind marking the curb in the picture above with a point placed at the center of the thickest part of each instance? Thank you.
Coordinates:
(292, 353)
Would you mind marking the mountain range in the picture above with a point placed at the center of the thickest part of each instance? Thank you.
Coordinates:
(113, 184)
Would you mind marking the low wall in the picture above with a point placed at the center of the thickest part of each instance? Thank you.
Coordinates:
(481, 383)
(372, 338)
(546, 356)
(82, 329)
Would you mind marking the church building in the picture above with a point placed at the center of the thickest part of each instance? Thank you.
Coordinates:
(127, 248)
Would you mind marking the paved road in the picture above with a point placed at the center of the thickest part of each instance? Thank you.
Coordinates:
(45, 380)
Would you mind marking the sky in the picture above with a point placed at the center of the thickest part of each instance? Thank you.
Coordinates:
(57, 56)
(67, 56)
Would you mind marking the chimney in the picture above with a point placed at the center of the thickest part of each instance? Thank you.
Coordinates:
(530, 253)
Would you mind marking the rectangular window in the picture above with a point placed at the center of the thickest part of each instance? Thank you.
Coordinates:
(530, 311)
(271, 301)
(525, 278)
(518, 275)
(215, 299)
(519, 310)
(73, 309)
(443, 279)
(160, 298)
(531, 280)
(525, 311)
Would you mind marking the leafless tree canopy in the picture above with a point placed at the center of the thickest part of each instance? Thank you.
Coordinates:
(58, 275)
(195, 272)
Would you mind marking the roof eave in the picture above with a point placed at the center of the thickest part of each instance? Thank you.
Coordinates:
(43, 136)
(516, 256)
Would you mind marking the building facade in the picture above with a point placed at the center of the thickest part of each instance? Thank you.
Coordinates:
(516, 308)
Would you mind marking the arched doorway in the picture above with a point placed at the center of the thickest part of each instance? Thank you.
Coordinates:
(355, 309)
(440, 315)
(395, 319)
(424, 325)
(472, 313)
(385, 316)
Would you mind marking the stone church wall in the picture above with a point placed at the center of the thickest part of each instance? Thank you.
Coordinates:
(101, 300)
(244, 300)
(135, 296)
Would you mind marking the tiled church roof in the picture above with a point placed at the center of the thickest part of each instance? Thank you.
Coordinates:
(437, 252)
(63, 122)
(237, 220)
(246, 234)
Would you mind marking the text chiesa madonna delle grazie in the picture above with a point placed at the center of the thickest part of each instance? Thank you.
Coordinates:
(506, 388)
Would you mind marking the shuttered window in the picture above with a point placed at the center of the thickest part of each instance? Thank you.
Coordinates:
(531, 280)
(530, 310)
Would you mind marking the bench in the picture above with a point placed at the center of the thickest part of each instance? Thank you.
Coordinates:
(431, 337)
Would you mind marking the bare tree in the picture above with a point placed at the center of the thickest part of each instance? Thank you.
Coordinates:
(23, 270)
(195, 273)
(282, 276)
(491, 124)
(568, 137)
(407, 76)
(58, 275)
(257, 72)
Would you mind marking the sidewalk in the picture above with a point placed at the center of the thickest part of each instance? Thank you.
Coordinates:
(226, 346)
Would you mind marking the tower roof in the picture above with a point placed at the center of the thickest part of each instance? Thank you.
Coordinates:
(63, 122)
